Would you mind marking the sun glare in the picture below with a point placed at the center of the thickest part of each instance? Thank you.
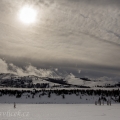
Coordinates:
(27, 15)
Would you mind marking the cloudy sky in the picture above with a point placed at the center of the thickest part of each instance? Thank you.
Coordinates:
(75, 36)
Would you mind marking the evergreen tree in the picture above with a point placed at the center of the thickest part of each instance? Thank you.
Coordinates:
(119, 99)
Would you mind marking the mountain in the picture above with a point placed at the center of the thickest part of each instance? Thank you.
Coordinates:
(70, 80)
(4, 76)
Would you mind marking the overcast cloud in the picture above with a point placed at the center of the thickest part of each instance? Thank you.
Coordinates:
(75, 35)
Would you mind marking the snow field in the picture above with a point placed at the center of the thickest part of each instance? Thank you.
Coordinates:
(59, 112)
(53, 99)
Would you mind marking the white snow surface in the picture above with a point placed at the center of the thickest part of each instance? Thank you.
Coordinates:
(71, 79)
(59, 112)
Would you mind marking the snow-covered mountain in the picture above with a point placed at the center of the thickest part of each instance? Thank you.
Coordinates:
(7, 76)
(70, 80)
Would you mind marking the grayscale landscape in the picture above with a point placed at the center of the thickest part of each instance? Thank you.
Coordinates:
(59, 59)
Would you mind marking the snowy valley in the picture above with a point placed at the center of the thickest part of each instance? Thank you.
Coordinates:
(70, 89)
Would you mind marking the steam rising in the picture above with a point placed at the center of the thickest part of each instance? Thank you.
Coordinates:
(28, 70)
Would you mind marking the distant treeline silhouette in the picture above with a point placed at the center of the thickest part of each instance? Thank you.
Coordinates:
(113, 94)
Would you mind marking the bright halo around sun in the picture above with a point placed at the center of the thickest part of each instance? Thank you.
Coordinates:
(27, 15)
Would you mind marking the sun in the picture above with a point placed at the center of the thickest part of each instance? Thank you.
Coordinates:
(27, 15)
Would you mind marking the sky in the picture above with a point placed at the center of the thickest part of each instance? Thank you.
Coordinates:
(81, 37)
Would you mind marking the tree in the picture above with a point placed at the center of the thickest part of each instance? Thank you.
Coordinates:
(119, 99)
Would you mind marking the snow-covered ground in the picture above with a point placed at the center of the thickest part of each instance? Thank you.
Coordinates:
(59, 112)
(71, 79)
(53, 99)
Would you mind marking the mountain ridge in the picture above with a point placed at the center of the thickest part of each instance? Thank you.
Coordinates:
(69, 80)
